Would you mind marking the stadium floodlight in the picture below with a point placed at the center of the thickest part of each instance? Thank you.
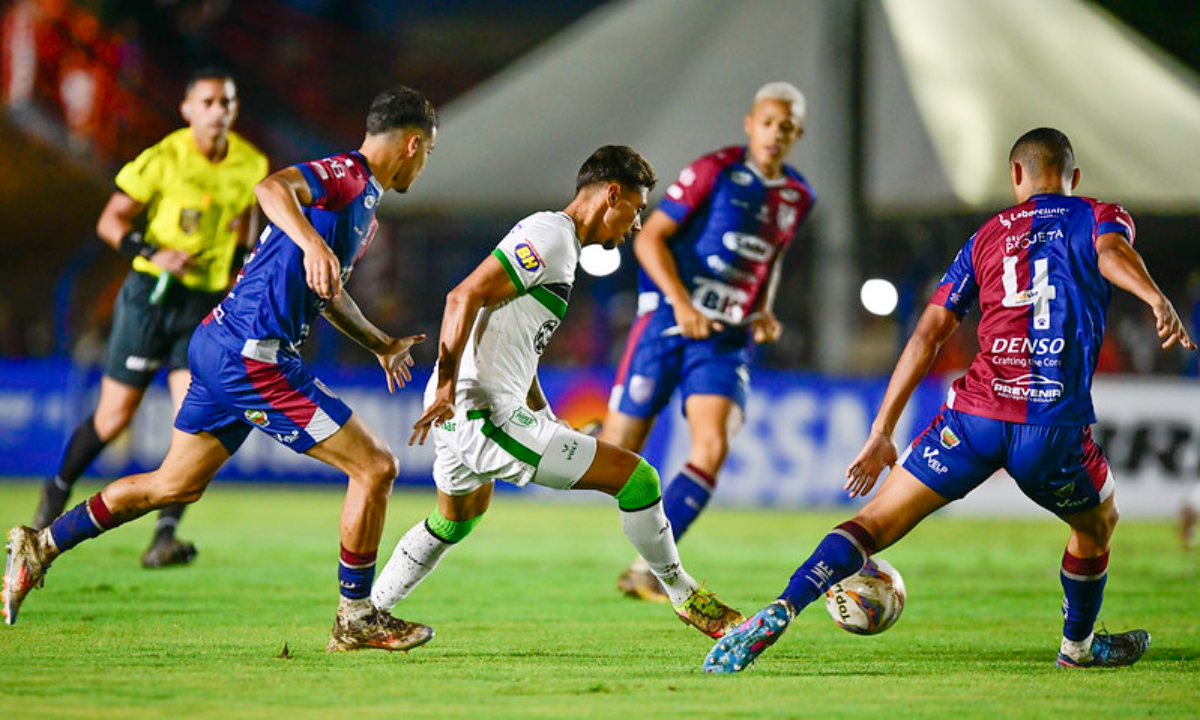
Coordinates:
(879, 296)
(597, 261)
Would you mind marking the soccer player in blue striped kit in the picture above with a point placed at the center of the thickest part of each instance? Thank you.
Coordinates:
(247, 372)
(711, 259)
(1043, 273)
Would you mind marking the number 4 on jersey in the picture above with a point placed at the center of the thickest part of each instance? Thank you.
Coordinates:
(1038, 295)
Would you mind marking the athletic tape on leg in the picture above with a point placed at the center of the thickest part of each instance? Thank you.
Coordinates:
(641, 489)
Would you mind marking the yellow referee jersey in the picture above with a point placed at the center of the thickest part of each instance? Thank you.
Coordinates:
(192, 204)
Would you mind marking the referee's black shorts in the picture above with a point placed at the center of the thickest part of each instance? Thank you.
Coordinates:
(145, 336)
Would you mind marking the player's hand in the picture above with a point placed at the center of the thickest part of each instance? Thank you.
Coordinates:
(694, 324)
(1170, 328)
(438, 412)
(877, 453)
(322, 271)
(397, 359)
(765, 327)
(175, 262)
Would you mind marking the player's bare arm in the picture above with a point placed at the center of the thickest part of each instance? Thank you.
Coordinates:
(1121, 265)
(394, 354)
(487, 284)
(115, 227)
(764, 325)
(936, 326)
(283, 197)
(653, 254)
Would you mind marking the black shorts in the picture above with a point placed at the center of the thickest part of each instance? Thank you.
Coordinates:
(145, 336)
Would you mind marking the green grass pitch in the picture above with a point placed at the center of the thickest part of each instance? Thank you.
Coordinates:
(530, 625)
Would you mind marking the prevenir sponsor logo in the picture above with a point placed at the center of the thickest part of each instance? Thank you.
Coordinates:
(1028, 388)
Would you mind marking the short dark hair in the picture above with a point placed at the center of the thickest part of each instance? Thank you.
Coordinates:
(1044, 151)
(616, 163)
(400, 107)
(208, 72)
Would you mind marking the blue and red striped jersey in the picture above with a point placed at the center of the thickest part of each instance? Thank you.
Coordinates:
(1042, 304)
(271, 299)
(733, 222)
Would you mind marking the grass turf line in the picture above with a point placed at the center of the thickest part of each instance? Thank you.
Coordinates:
(530, 624)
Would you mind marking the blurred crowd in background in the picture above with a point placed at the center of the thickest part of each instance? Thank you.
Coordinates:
(87, 85)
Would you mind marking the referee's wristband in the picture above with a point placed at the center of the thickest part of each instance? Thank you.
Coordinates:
(133, 244)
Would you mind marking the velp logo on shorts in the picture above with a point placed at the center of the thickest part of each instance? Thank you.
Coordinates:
(528, 257)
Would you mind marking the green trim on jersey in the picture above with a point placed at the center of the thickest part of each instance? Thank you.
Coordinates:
(507, 442)
(508, 268)
(552, 302)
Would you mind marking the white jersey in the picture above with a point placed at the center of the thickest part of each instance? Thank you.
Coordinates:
(540, 255)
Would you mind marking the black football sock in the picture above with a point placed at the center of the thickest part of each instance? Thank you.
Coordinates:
(168, 519)
(84, 446)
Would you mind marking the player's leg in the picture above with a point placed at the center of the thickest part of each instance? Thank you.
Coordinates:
(423, 546)
(1064, 470)
(937, 468)
(635, 485)
(712, 420)
(117, 405)
(625, 431)
(897, 507)
(647, 376)
(1189, 510)
(190, 464)
(714, 386)
(630, 432)
(165, 549)
(359, 452)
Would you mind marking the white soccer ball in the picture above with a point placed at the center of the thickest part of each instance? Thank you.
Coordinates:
(869, 601)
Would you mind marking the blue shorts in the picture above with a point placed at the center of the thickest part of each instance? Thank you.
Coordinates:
(1060, 468)
(231, 393)
(655, 364)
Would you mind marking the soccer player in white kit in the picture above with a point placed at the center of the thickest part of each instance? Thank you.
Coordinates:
(489, 418)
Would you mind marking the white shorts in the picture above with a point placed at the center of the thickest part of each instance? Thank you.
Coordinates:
(509, 442)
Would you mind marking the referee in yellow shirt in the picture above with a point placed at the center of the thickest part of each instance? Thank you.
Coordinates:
(197, 189)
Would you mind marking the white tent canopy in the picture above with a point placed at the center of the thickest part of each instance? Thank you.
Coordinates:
(948, 86)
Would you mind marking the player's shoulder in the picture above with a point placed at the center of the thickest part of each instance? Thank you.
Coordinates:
(797, 181)
(722, 158)
(1101, 207)
(546, 226)
(340, 167)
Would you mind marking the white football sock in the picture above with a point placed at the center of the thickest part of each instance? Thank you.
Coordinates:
(650, 532)
(1078, 650)
(415, 556)
(354, 610)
